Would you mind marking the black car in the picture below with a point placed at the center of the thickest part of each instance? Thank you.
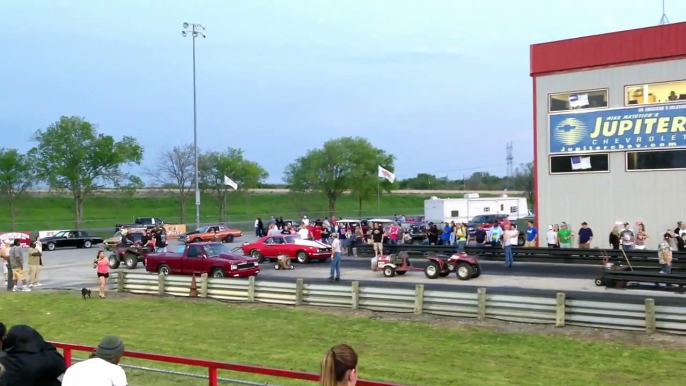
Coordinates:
(70, 239)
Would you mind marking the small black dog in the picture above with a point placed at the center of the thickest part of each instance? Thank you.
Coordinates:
(85, 292)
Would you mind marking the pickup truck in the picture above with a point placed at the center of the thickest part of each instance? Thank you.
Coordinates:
(213, 258)
(140, 223)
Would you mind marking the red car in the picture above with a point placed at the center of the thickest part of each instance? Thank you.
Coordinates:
(214, 259)
(270, 247)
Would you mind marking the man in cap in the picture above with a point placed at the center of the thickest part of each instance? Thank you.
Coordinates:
(101, 369)
(664, 254)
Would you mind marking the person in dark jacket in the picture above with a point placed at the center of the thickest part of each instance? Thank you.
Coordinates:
(29, 360)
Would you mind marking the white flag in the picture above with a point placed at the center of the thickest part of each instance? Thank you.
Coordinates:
(230, 182)
(383, 173)
(581, 163)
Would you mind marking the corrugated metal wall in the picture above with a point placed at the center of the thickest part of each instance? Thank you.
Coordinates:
(656, 197)
(658, 42)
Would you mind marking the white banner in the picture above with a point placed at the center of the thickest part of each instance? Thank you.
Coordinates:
(383, 173)
(230, 182)
(43, 234)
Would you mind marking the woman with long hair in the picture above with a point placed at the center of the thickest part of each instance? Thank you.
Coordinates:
(614, 237)
(102, 267)
(339, 367)
(556, 229)
(641, 236)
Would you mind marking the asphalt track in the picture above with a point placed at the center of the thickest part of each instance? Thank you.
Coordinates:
(72, 269)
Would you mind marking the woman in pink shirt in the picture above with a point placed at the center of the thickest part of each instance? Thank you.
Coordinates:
(393, 233)
(102, 267)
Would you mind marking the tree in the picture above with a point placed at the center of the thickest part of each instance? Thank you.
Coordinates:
(70, 155)
(230, 163)
(175, 170)
(524, 180)
(340, 165)
(16, 176)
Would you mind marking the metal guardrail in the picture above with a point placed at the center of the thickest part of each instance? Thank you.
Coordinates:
(558, 311)
(639, 259)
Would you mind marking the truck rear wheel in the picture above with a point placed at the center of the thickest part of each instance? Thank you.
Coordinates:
(163, 269)
(114, 261)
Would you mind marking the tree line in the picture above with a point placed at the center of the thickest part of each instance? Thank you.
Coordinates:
(71, 156)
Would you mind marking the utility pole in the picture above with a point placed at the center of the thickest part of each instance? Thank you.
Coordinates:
(195, 30)
(663, 19)
(510, 165)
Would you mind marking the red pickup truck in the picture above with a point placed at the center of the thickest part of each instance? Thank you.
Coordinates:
(212, 258)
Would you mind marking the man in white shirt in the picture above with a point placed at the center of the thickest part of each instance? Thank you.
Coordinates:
(305, 221)
(273, 230)
(101, 369)
(304, 233)
(509, 236)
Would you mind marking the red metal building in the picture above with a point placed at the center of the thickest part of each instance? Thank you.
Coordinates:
(585, 171)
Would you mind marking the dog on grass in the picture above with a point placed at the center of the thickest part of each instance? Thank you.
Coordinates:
(85, 292)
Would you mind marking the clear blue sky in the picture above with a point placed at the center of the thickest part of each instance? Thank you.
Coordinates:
(276, 78)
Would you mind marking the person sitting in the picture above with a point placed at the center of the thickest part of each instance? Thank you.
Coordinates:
(101, 368)
(29, 359)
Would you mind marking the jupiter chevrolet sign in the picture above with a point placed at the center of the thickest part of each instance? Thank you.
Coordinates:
(619, 129)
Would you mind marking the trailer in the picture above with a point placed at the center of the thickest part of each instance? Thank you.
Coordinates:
(464, 209)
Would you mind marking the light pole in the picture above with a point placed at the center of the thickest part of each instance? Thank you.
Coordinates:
(195, 30)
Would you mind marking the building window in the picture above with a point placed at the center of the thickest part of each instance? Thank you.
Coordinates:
(502, 207)
(578, 100)
(487, 209)
(656, 160)
(664, 92)
(455, 213)
(580, 163)
(514, 209)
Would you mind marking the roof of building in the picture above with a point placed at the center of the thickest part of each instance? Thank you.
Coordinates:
(663, 42)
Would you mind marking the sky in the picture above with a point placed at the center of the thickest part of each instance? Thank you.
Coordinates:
(442, 84)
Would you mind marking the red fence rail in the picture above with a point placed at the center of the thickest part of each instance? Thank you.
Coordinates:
(212, 366)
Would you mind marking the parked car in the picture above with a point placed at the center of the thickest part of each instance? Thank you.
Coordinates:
(115, 240)
(214, 259)
(67, 239)
(484, 221)
(211, 233)
(140, 223)
(303, 251)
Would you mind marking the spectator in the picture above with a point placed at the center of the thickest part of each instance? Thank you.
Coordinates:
(3, 336)
(480, 237)
(101, 369)
(445, 236)
(273, 230)
(102, 268)
(326, 234)
(35, 262)
(641, 236)
(585, 236)
(305, 221)
(304, 233)
(664, 254)
(627, 236)
(335, 272)
(29, 359)
(556, 229)
(681, 242)
(17, 262)
(339, 367)
(509, 236)
(160, 242)
(496, 235)
(5, 259)
(377, 238)
(531, 235)
(39, 245)
(393, 233)
(258, 227)
(460, 236)
(614, 237)
(551, 237)
(432, 234)
(564, 236)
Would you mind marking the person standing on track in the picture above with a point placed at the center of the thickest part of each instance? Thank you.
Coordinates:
(377, 238)
(35, 262)
(509, 236)
(335, 273)
(6, 268)
(17, 263)
(102, 267)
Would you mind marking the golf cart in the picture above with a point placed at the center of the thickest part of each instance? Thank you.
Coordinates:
(466, 267)
(394, 264)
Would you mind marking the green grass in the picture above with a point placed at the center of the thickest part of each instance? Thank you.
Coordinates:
(410, 353)
(53, 212)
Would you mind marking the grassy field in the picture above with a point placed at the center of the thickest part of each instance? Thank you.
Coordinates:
(52, 212)
(410, 353)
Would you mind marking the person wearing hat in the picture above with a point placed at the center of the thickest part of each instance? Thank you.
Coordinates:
(551, 237)
(627, 236)
(102, 368)
(664, 254)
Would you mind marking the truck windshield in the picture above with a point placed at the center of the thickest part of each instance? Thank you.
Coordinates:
(216, 249)
(479, 219)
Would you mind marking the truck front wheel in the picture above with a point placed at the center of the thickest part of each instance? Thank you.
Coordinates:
(218, 272)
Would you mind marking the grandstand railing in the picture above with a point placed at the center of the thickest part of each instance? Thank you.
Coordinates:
(212, 366)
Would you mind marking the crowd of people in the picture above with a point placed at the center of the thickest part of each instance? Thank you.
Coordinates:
(18, 275)
(26, 359)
